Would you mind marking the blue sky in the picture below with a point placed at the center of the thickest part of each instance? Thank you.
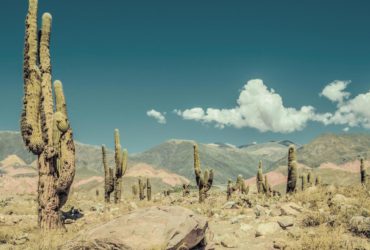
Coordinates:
(119, 59)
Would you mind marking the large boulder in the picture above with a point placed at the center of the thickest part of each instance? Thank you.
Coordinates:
(148, 228)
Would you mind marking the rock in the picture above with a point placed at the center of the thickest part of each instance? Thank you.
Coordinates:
(291, 208)
(68, 221)
(286, 221)
(275, 212)
(20, 240)
(166, 227)
(229, 241)
(260, 211)
(294, 232)
(230, 205)
(267, 228)
(279, 244)
(132, 205)
(245, 227)
(237, 219)
(360, 225)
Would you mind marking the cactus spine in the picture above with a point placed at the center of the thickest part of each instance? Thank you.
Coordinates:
(363, 171)
(148, 189)
(204, 182)
(292, 170)
(45, 128)
(259, 178)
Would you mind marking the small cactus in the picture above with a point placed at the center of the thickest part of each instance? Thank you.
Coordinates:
(142, 187)
(134, 190)
(266, 187)
(292, 170)
(304, 181)
(148, 189)
(240, 185)
(318, 180)
(310, 179)
(204, 182)
(363, 171)
(185, 190)
(259, 178)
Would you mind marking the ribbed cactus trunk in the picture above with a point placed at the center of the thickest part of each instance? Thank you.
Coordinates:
(363, 171)
(108, 176)
(121, 166)
(45, 129)
(259, 178)
(204, 182)
(229, 190)
(292, 170)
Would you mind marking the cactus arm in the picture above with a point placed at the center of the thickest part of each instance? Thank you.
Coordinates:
(197, 169)
(47, 107)
(124, 161)
(66, 171)
(30, 119)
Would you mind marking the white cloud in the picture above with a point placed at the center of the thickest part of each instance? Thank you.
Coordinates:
(257, 107)
(352, 112)
(263, 109)
(335, 91)
(157, 115)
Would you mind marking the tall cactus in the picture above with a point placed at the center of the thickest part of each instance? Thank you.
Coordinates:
(45, 129)
(121, 166)
(363, 171)
(292, 170)
(113, 179)
(204, 182)
(148, 189)
(259, 178)
(108, 176)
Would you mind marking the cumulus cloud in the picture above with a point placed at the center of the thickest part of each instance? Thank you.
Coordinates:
(263, 109)
(351, 112)
(158, 116)
(257, 107)
(335, 91)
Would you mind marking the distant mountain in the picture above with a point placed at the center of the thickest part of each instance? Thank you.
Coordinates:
(333, 148)
(175, 156)
(227, 160)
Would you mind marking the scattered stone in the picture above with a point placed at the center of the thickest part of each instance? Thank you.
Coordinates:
(279, 244)
(275, 212)
(21, 239)
(360, 225)
(267, 228)
(132, 205)
(229, 241)
(286, 221)
(245, 227)
(237, 219)
(291, 208)
(230, 205)
(167, 227)
(260, 211)
(68, 221)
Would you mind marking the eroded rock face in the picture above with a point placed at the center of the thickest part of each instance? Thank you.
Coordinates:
(149, 228)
